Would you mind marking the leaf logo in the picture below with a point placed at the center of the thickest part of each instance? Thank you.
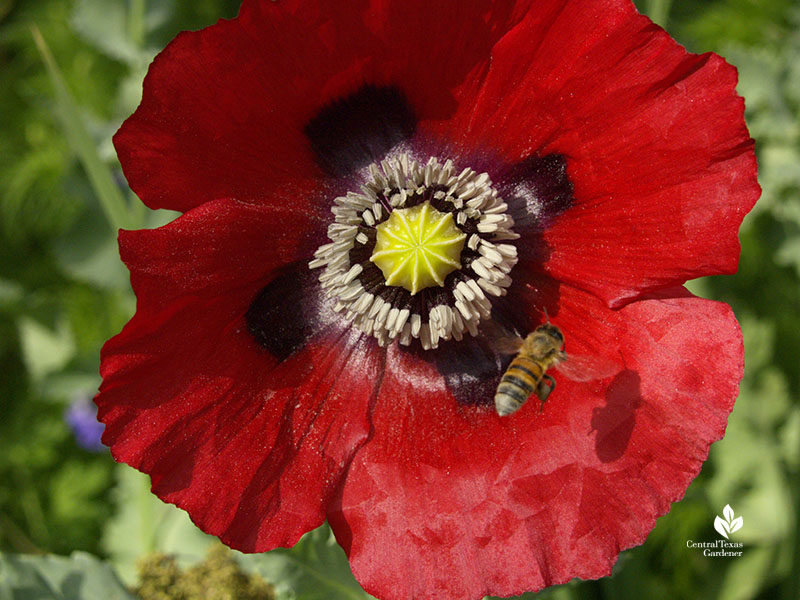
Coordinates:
(727, 525)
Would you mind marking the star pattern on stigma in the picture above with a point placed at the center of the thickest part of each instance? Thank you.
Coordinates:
(416, 247)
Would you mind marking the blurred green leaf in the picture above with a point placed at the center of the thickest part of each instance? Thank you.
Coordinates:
(749, 22)
(45, 350)
(157, 218)
(95, 316)
(315, 569)
(789, 253)
(99, 174)
(89, 252)
(34, 173)
(129, 93)
(747, 574)
(568, 591)
(105, 24)
(790, 439)
(144, 524)
(79, 577)
(658, 11)
(120, 28)
(66, 385)
(10, 293)
(76, 504)
(53, 494)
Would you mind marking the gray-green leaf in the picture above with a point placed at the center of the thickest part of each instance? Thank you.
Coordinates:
(315, 569)
(78, 577)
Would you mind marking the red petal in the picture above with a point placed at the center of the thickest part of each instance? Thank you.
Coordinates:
(436, 52)
(252, 449)
(216, 249)
(661, 161)
(224, 109)
(221, 113)
(462, 503)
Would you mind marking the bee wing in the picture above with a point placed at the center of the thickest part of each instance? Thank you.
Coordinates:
(501, 339)
(587, 368)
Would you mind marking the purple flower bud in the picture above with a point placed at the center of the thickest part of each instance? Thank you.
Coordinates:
(81, 416)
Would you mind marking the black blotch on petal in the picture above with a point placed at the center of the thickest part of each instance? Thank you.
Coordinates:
(286, 313)
(471, 370)
(540, 189)
(354, 131)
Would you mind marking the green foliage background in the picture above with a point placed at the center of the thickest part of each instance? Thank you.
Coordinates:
(63, 292)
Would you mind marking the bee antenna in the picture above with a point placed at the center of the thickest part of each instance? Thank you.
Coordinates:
(546, 316)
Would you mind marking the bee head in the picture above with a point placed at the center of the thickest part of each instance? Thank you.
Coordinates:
(552, 331)
(548, 339)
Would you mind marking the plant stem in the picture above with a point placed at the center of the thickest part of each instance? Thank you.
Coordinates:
(658, 11)
(18, 538)
(109, 195)
(136, 16)
(792, 583)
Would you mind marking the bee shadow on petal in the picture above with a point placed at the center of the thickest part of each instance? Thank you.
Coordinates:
(615, 421)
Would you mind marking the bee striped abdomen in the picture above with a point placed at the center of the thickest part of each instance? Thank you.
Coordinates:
(517, 384)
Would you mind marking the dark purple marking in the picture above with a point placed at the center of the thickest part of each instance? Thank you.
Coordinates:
(286, 313)
(471, 370)
(537, 190)
(359, 129)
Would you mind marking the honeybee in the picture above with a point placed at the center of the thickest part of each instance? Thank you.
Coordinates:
(540, 350)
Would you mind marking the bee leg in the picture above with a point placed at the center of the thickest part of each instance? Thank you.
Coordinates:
(545, 388)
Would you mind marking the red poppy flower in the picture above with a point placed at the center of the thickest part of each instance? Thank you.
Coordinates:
(367, 186)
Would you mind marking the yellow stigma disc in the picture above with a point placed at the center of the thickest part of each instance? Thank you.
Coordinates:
(418, 247)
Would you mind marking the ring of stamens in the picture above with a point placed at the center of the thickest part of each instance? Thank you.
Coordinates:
(455, 303)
